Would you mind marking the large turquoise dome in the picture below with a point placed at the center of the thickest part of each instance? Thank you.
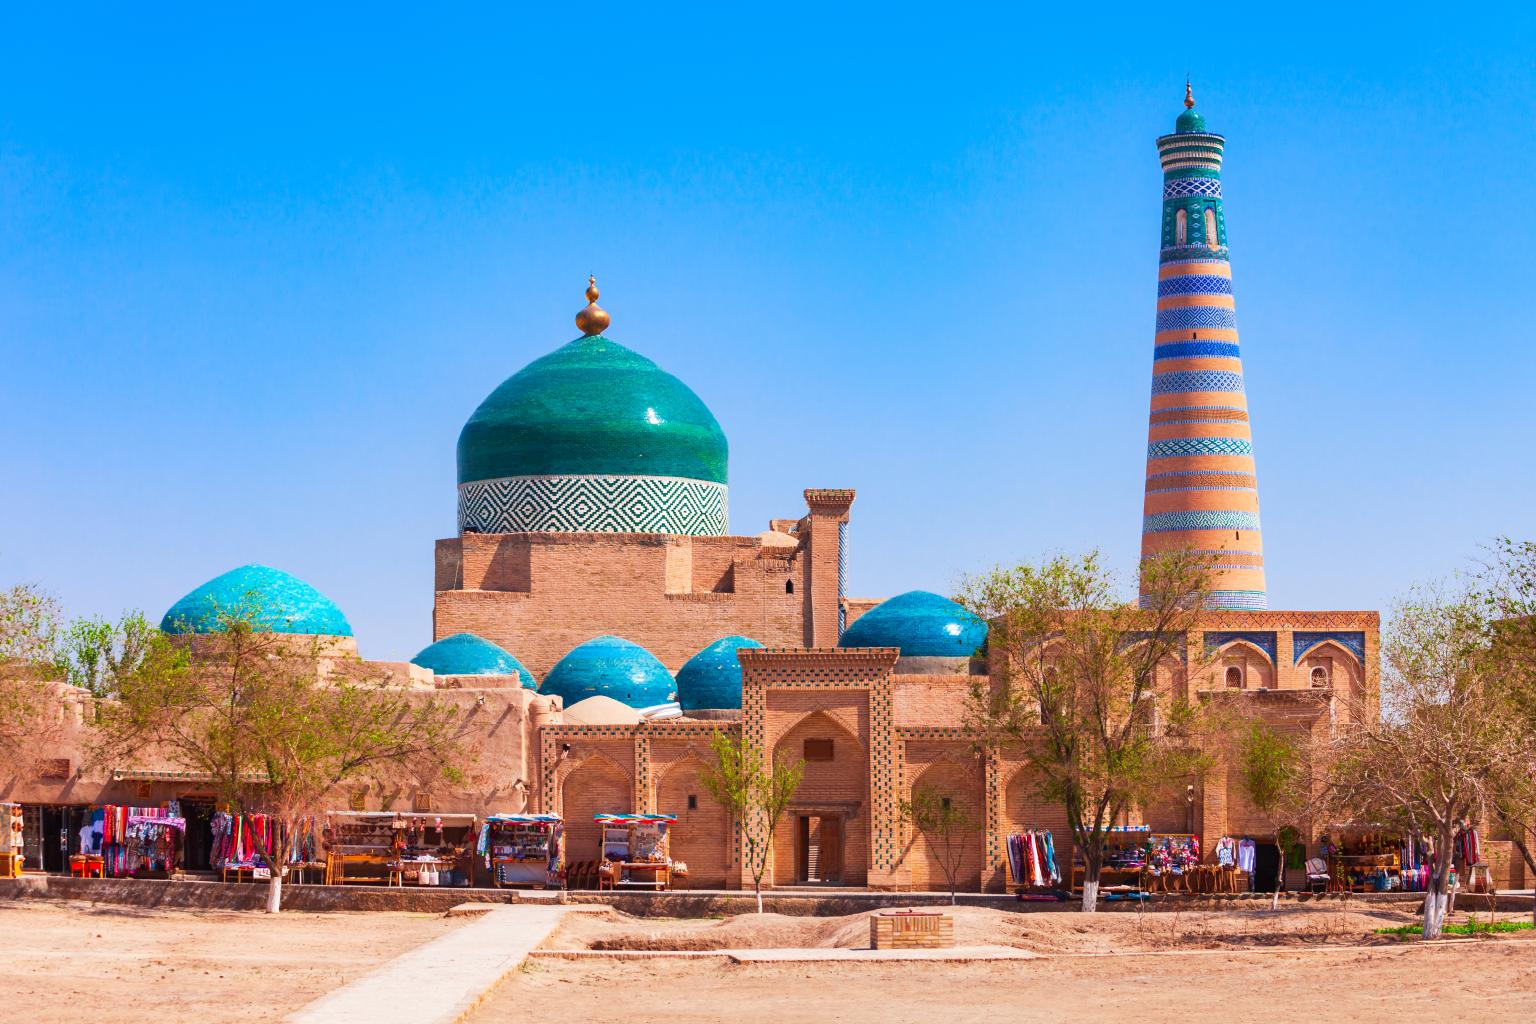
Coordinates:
(593, 437)
(922, 624)
(465, 654)
(711, 679)
(610, 666)
(276, 601)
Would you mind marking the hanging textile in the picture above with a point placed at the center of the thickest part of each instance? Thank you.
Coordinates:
(1032, 858)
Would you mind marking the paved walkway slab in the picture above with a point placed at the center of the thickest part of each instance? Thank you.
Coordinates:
(440, 982)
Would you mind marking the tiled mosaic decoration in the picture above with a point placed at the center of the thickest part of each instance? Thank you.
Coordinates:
(1264, 641)
(593, 504)
(1185, 381)
(1302, 643)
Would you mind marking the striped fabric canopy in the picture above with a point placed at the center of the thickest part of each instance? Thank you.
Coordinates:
(515, 818)
(635, 819)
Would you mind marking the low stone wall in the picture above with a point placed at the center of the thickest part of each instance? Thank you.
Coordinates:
(146, 892)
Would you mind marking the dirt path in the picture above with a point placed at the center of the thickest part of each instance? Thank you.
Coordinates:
(68, 962)
(1483, 981)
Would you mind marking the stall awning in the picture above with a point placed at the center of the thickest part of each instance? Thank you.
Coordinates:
(172, 775)
(635, 819)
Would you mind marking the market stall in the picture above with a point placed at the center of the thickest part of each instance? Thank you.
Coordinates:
(1125, 861)
(12, 841)
(635, 850)
(140, 841)
(360, 847)
(523, 849)
(433, 849)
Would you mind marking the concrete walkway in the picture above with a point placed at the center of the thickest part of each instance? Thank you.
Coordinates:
(440, 982)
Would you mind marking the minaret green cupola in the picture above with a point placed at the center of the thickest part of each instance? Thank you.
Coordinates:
(592, 438)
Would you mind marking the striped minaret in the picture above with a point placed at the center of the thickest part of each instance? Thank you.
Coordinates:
(1202, 493)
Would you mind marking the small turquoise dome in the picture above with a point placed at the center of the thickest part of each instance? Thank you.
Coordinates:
(465, 654)
(922, 624)
(276, 601)
(1189, 123)
(592, 407)
(610, 666)
(711, 679)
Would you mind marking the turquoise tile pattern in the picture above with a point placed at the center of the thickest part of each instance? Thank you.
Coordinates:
(275, 601)
(711, 679)
(922, 624)
(465, 654)
(610, 666)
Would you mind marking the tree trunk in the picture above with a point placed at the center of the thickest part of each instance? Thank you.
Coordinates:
(1092, 866)
(275, 892)
(1437, 899)
(757, 888)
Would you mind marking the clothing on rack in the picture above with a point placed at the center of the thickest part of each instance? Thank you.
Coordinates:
(1246, 849)
(1032, 858)
(1226, 852)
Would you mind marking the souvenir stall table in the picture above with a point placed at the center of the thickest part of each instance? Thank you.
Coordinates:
(246, 846)
(139, 841)
(523, 849)
(432, 849)
(361, 847)
(636, 850)
(1172, 860)
(1125, 861)
(1374, 863)
(12, 842)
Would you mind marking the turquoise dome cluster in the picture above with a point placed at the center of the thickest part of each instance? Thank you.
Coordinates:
(711, 679)
(922, 624)
(276, 601)
(610, 666)
(592, 407)
(465, 654)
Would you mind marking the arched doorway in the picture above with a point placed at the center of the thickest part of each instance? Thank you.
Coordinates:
(702, 836)
(595, 786)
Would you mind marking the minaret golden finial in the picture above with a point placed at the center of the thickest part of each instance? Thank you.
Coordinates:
(593, 319)
(1189, 95)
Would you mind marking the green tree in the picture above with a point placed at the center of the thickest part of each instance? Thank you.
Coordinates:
(30, 711)
(756, 792)
(1074, 686)
(1277, 780)
(277, 722)
(94, 654)
(949, 829)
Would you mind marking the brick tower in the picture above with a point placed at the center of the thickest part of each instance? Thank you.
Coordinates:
(1202, 493)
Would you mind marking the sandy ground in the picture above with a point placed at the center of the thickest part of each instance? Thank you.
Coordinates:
(1485, 981)
(1236, 965)
(72, 962)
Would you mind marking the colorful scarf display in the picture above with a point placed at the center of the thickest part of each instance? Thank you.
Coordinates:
(1032, 858)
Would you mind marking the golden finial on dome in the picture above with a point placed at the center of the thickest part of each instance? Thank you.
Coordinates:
(593, 319)
(1189, 95)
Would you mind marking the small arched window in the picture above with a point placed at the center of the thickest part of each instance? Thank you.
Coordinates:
(1234, 677)
(1319, 676)
(789, 586)
(1210, 227)
(1180, 227)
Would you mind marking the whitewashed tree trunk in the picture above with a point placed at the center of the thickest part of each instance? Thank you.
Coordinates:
(275, 891)
(1090, 896)
(1434, 913)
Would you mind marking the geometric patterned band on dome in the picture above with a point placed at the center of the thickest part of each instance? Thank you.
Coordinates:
(593, 504)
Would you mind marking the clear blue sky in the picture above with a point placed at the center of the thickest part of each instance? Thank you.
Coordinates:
(257, 269)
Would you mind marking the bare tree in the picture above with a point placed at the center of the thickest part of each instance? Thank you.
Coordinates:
(756, 792)
(1074, 686)
(949, 829)
(1435, 761)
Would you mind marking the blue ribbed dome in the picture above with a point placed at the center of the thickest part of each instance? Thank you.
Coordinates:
(711, 679)
(922, 624)
(610, 666)
(275, 601)
(465, 654)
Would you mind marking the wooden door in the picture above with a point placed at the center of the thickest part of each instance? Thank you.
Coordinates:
(830, 848)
